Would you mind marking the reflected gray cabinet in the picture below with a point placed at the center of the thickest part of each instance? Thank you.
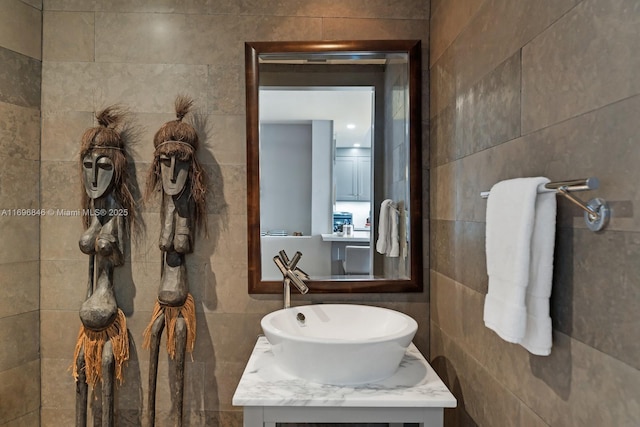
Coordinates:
(353, 178)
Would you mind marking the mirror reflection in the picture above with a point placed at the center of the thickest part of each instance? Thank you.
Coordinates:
(334, 159)
(315, 159)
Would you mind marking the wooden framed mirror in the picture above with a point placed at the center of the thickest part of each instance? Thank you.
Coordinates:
(343, 190)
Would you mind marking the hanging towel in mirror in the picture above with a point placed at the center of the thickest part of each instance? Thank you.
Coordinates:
(387, 243)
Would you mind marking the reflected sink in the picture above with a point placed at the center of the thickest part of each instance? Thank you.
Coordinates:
(341, 344)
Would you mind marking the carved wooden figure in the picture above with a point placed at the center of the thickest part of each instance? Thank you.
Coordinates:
(177, 172)
(103, 344)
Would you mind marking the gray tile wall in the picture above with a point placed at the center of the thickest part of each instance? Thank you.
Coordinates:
(20, 75)
(142, 54)
(527, 88)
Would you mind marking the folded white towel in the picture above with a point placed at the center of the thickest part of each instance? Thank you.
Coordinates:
(387, 242)
(519, 243)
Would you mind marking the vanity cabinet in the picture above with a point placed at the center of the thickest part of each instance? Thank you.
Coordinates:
(353, 178)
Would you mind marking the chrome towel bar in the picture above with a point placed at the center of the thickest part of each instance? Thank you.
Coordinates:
(596, 211)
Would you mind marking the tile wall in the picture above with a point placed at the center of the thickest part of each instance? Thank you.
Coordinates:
(20, 71)
(142, 54)
(527, 88)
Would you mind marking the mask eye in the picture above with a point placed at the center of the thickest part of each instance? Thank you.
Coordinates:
(104, 163)
(165, 161)
(88, 165)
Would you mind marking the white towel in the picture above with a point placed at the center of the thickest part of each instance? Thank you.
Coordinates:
(519, 244)
(394, 249)
(387, 243)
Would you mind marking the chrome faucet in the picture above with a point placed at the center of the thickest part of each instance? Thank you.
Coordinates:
(291, 274)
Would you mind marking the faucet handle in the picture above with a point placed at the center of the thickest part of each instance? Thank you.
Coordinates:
(289, 271)
(301, 274)
(302, 287)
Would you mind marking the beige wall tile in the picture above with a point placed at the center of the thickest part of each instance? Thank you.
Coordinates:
(54, 417)
(63, 284)
(443, 200)
(19, 288)
(478, 393)
(20, 391)
(442, 80)
(448, 20)
(225, 140)
(68, 87)
(21, 28)
(226, 90)
(62, 133)
(166, 38)
(19, 184)
(19, 132)
(561, 63)
(443, 137)
(338, 9)
(56, 376)
(279, 28)
(70, 5)
(20, 336)
(28, 420)
(528, 418)
(20, 79)
(19, 239)
(147, 88)
(171, 6)
(222, 379)
(498, 30)
(68, 36)
(59, 237)
(34, 3)
(56, 340)
(230, 336)
(585, 307)
(488, 113)
(228, 240)
(227, 292)
(61, 186)
(375, 29)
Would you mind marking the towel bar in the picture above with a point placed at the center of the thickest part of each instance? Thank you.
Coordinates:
(596, 211)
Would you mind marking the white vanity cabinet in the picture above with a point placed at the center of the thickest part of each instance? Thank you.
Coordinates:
(414, 394)
(353, 178)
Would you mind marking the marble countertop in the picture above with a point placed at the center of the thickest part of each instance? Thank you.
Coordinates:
(358, 236)
(415, 384)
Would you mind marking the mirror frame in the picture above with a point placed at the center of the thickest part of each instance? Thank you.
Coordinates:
(252, 75)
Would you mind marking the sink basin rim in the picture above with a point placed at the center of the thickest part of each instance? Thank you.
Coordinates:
(409, 328)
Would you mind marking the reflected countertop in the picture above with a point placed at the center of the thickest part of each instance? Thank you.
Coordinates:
(357, 236)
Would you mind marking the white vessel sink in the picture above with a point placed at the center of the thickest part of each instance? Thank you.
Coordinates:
(341, 344)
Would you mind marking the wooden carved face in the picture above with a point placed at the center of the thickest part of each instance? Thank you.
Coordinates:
(174, 173)
(97, 173)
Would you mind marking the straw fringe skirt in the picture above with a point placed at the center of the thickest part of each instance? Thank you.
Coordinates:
(93, 343)
(171, 314)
